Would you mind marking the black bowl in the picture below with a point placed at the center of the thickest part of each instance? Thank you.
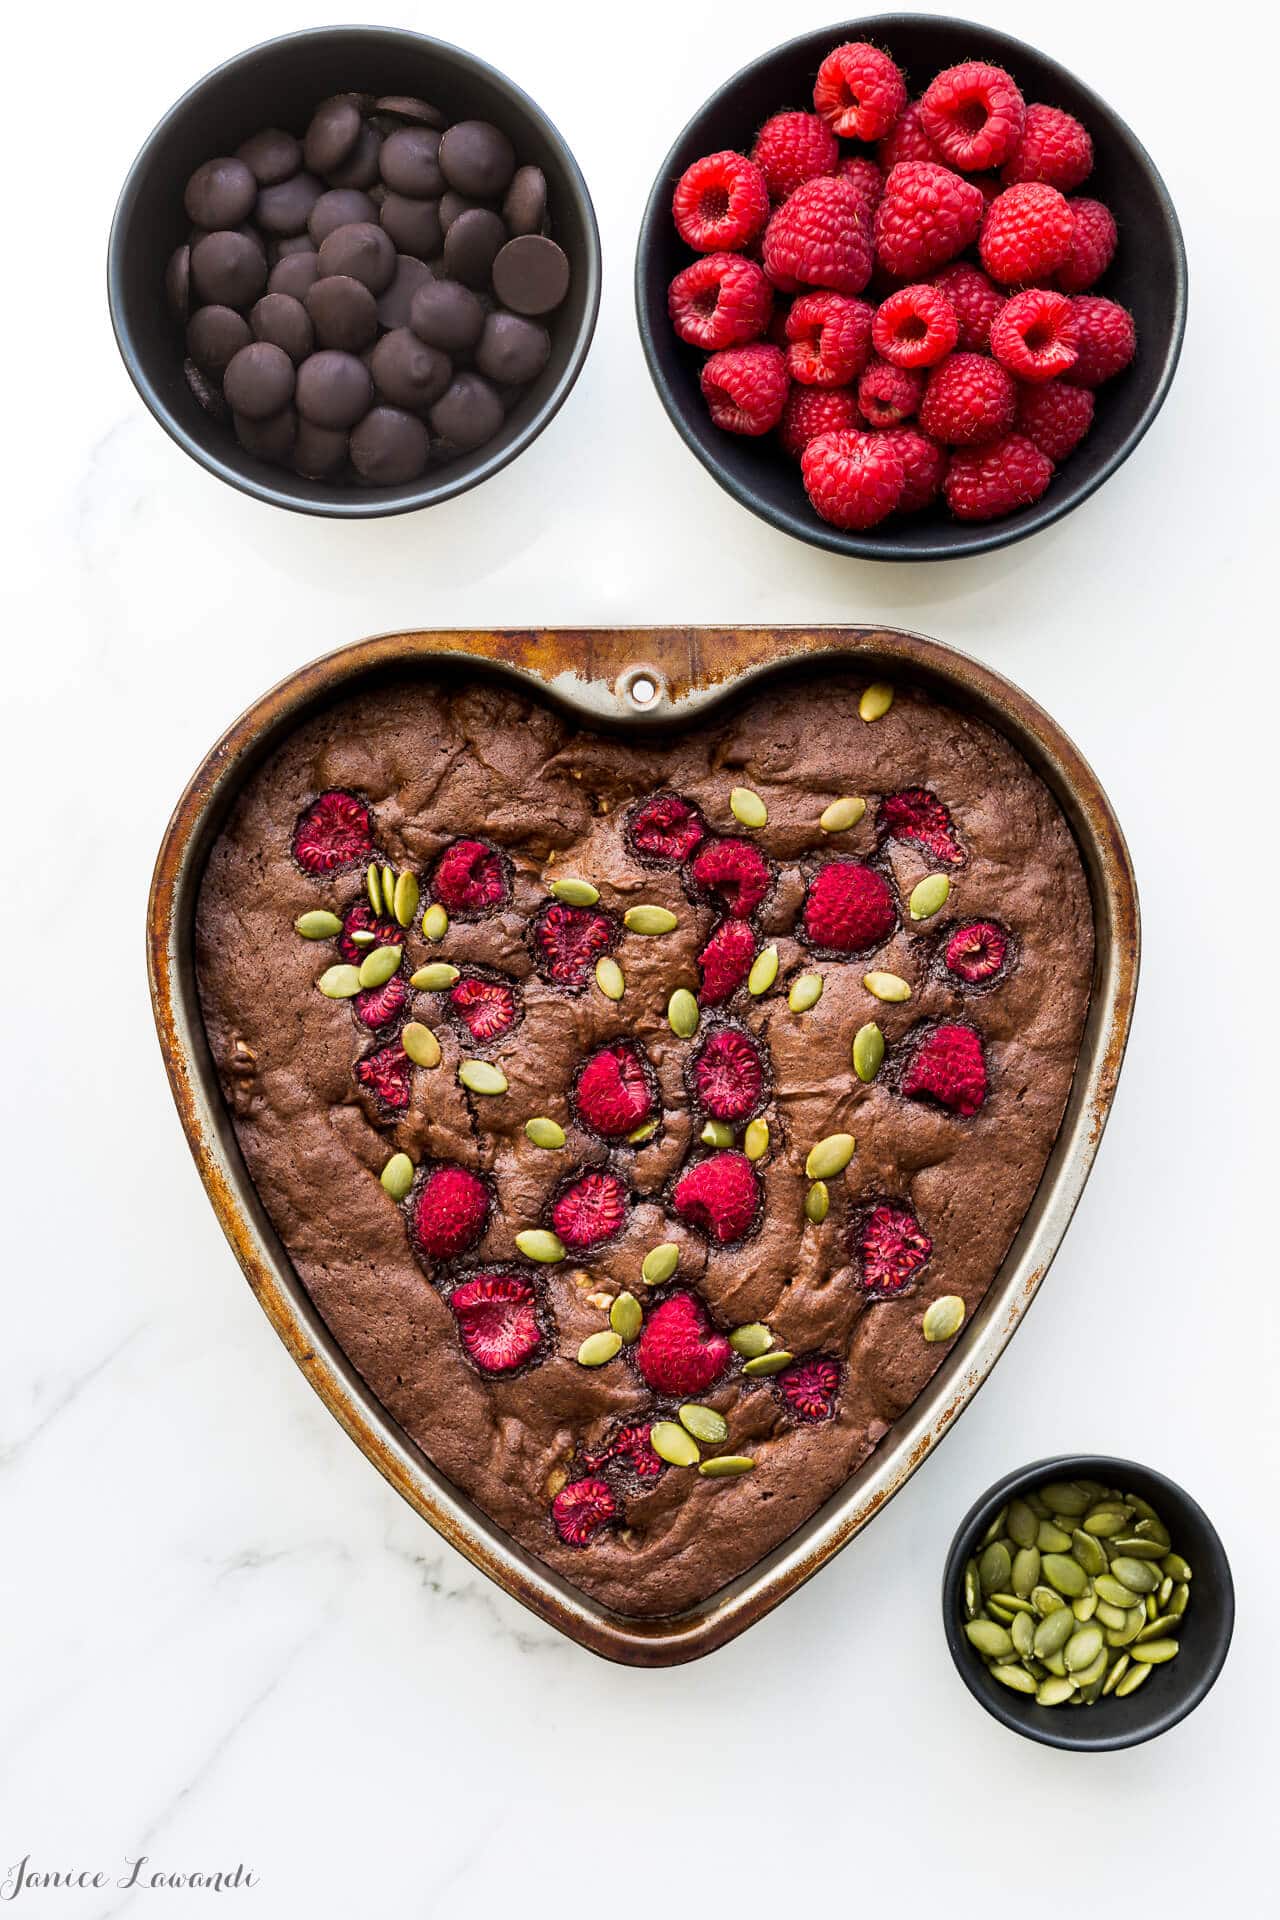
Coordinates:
(1177, 1687)
(279, 83)
(1149, 276)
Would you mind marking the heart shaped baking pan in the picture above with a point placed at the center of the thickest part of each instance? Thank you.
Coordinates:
(679, 1059)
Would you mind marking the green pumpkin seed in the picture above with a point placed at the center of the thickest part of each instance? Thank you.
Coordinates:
(536, 1243)
(972, 1590)
(1154, 1653)
(1011, 1603)
(319, 924)
(339, 983)
(726, 1466)
(404, 900)
(1141, 1507)
(705, 1424)
(995, 1568)
(481, 1076)
(1086, 1550)
(377, 967)
(717, 1133)
(660, 1263)
(1016, 1678)
(1103, 1523)
(1176, 1567)
(868, 1052)
(943, 1318)
(766, 1363)
(1005, 1615)
(1108, 1588)
(598, 1349)
(373, 886)
(928, 896)
(1165, 1593)
(1022, 1524)
(1132, 1681)
(1052, 1692)
(989, 1639)
(1085, 1606)
(1092, 1676)
(575, 893)
(1178, 1599)
(876, 701)
(1159, 1628)
(649, 920)
(886, 986)
(755, 1139)
(544, 1133)
(1026, 1570)
(1082, 1649)
(1138, 1575)
(1135, 1547)
(1051, 1539)
(388, 889)
(362, 936)
(752, 1340)
(434, 977)
(420, 1044)
(1053, 1633)
(842, 814)
(1116, 1673)
(805, 992)
(626, 1317)
(672, 1444)
(1022, 1633)
(610, 978)
(435, 922)
(827, 1158)
(397, 1175)
(748, 808)
(1150, 1606)
(1153, 1530)
(1046, 1601)
(1067, 1575)
(1126, 1635)
(1053, 1663)
(682, 1014)
(764, 971)
(816, 1203)
(995, 1528)
(1064, 1496)
(1109, 1616)
(645, 1131)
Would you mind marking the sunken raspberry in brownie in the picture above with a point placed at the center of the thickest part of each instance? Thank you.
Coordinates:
(430, 1284)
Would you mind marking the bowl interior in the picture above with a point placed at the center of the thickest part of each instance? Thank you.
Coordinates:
(1148, 276)
(1173, 1691)
(280, 84)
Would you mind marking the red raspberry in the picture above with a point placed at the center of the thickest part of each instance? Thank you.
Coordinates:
(888, 395)
(918, 816)
(974, 114)
(332, 832)
(1105, 340)
(948, 1068)
(486, 1008)
(378, 1006)
(853, 480)
(809, 1387)
(728, 1075)
(720, 1195)
(450, 1213)
(907, 140)
(813, 410)
(976, 299)
(848, 908)
(792, 148)
(720, 203)
(590, 1210)
(736, 872)
(360, 918)
(975, 952)
(746, 388)
(968, 401)
(569, 941)
(1026, 234)
(927, 215)
(678, 1352)
(665, 828)
(923, 464)
(820, 237)
(830, 339)
(613, 1092)
(725, 961)
(721, 300)
(387, 1073)
(580, 1510)
(915, 327)
(1054, 148)
(867, 177)
(1093, 246)
(859, 91)
(631, 1449)
(469, 877)
(497, 1321)
(890, 1248)
(1034, 335)
(982, 483)
(1055, 417)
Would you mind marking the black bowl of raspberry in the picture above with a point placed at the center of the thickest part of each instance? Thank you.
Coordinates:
(863, 391)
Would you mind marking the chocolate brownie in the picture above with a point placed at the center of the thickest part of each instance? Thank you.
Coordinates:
(795, 1308)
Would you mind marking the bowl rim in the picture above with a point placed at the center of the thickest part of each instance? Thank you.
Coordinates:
(432, 490)
(1057, 1730)
(808, 527)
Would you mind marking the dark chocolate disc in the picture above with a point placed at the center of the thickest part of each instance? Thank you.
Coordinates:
(215, 336)
(286, 207)
(271, 156)
(395, 304)
(177, 282)
(476, 158)
(452, 204)
(525, 207)
(339, 207)
(334, 389)
(512, 349)
(259, 380)
(413, 225)
(295, 274)
(361, 251)
(285, 322)
(271, 439)
(447, 315)
(360, 168)
(531, 274)
(408, 163)
(332, 135)
(319, 452)
(405, 107)
(468, 413)
(471, 245)
(228, 268)
(343, 312)
(292, 243)
(389, 447)
(407, 372)
(221, 193)
(206, 392)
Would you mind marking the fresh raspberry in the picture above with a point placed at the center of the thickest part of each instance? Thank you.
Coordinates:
(378, 1006)
(665, 828)
(889, 395)
(919, 816)
(976, 952)
(360, 918)
(720, 1195)
(974, 114)
(630, 1449)
(976, 299)
(792, 148)
(1055, 417)
(1105, 340)
(1093, 246)
(859, 91)
(720, 203)
(450, 1213)
(580, 1511)
(915, 327)
(829, 338)
(853, 480)
(890, 1247)
(1034, 335)
(907, 140)
(486, 1008)
(332, 832)
(736, 873)
(613, 1092)
(725, 961)
(1054, 148)
(848, 908)
(948, 1068)
(469, 877)
(387, 1073)
(809, 1387)
(1026, 234)
(923, 464)
(728, 1075)
(679, 1352)
(590, 1210)
(968, 401)
(813, 410)
(569, 941)
(820, 237)
(497, 1321)
(927, 215)
(982, 483)
(863, 173)
(721, 300)
(745, 388)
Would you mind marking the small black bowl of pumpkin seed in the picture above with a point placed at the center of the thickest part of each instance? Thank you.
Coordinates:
(1085, 1582)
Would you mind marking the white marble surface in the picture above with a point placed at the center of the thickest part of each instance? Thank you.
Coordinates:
(224, 1639)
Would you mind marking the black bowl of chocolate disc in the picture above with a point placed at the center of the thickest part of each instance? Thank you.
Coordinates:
(354, 271)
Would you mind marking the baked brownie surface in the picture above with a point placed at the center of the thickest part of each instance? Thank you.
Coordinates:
(926, 1207)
